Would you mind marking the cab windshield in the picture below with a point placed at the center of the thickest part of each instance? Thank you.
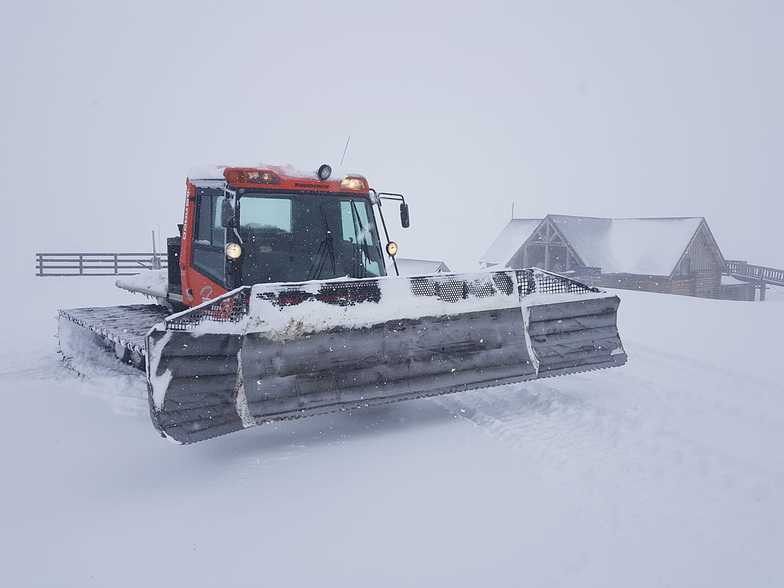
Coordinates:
(298, 237)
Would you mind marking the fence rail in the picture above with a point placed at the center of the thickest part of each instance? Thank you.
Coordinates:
(756, 273)
(97, 264)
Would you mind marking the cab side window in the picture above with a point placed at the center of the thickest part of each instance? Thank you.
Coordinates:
(208, 216)
(218, 232)
(209, 236)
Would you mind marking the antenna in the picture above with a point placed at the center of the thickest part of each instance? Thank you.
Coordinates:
(345, 149)
(513, 209)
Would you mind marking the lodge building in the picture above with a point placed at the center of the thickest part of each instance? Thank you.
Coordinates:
(672, 255)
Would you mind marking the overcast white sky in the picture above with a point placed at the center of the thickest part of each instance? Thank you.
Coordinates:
(607, 108)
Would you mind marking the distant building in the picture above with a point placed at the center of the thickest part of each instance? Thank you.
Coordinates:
(671, 255)
(734, 289)
(418, 267)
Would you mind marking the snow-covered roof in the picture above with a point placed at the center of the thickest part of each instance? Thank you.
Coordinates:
(515, 233)
(648, 246)
(730, 281)
(417, 267)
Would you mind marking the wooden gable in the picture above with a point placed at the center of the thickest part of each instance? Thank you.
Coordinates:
(702, 254)
(548, 249)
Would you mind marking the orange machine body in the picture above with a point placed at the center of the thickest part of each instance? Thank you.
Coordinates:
(198, 288)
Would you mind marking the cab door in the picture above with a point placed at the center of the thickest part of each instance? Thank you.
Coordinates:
(209, 242)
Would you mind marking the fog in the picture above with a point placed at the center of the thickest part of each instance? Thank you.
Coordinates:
(602, 108)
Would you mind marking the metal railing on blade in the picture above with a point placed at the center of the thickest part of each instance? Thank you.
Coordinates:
(97, 264)
(454, 287)
(533, 280)
(231, 307)
(444, 286)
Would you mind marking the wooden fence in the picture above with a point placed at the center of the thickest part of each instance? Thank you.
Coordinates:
(97, 264)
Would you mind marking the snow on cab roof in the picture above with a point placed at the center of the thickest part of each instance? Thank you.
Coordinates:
(511, 239)
(215, 171)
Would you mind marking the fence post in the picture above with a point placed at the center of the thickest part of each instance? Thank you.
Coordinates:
(156, 263)
(81, 264)
(116, 269)
(40, 264)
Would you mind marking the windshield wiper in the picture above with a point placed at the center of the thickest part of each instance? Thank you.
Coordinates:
(326, 248)
(359, 263)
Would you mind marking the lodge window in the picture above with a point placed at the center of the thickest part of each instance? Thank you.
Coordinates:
(557, 258)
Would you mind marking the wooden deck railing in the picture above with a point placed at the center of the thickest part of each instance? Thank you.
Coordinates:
(96, 264)
(755, 273)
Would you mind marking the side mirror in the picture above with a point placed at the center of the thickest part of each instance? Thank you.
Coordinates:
(227, 214)
(405, 220)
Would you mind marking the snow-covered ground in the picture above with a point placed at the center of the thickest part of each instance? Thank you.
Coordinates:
(666, 472)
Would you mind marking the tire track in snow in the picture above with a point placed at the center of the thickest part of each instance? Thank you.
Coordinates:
(556, 425)
(701, 364)
(98, 376)
(739, 407)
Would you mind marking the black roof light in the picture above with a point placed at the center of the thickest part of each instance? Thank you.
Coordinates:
(324, 171)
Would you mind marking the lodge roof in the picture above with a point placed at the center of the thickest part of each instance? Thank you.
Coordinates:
(646, 246)
(509, 241)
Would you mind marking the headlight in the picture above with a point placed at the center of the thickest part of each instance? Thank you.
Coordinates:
(233, 250)
(392, 249)
(354, 183)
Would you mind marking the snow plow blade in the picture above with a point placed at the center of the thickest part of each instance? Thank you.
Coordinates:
(278, 351)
